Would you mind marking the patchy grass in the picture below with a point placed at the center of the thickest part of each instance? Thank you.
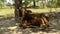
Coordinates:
(47, 10)
(6, 11)
(9, 11)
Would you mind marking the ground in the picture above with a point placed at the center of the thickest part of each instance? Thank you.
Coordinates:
(9, 26)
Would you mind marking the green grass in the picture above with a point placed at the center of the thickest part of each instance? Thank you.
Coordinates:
(46, 10)
(9, 11)
(6, 11)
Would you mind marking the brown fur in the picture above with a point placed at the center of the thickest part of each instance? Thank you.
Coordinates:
(33, 19)
(37, 21)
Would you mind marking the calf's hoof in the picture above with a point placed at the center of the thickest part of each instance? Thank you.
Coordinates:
(25, 26)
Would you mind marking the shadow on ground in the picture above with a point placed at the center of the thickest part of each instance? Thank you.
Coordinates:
(8, 26)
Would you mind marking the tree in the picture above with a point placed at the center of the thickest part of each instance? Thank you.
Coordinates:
(52, 4)
(58, 3)
(2, 3)
(34, 2)
(18, 3)
(42, 3)
(27, 2)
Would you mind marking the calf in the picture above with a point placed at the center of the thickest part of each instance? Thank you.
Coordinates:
(27, 18)
(44, 20)
(21, 15)
(33, 19)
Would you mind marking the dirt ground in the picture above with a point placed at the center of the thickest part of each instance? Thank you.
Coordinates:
(8, 26)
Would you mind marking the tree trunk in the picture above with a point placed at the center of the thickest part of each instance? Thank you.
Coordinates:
(56, 5)
(42, 4)
(34, 3)
(18, 3)
(26, 4)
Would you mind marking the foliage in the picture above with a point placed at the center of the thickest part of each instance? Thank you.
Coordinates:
(27, 2)
(2, 3)
(8, 4)
(52, 4)
(58, 3)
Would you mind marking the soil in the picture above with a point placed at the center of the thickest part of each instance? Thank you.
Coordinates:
(8, 25)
